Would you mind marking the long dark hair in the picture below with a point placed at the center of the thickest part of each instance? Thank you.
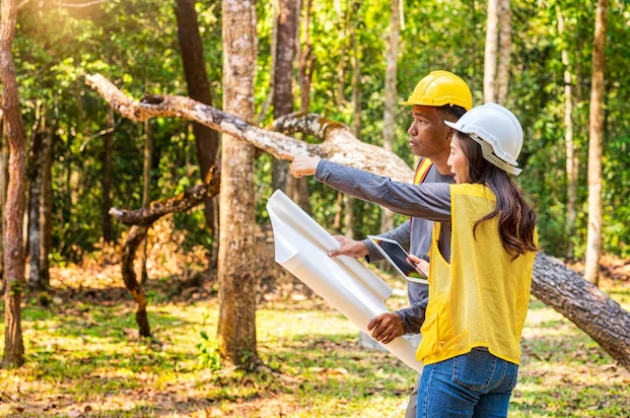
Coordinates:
(517, 220)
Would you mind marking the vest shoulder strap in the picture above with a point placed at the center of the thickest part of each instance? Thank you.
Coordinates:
(422, 170)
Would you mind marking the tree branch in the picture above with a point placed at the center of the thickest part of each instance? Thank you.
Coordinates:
(78, 5)
(180, 203)
(341, 147)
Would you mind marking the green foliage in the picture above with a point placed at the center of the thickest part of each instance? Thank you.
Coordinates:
(134, 43)
(209, 355)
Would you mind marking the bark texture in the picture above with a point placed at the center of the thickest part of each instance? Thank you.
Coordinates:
(237, 282)
(14, 212)
(287, 26)
(191, 46)
(553, 283)
(585, 305)
(596, 133)
(389, 116)
(571, 155)
(490, 56)
(503, 76)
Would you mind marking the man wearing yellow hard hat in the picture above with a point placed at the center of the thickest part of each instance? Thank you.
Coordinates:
(440, 96)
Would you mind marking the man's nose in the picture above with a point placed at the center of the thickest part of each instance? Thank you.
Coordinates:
(411, 130)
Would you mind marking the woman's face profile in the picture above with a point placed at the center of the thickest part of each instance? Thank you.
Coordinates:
(458, 162)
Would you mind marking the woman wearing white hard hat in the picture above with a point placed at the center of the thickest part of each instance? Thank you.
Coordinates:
(482, 256)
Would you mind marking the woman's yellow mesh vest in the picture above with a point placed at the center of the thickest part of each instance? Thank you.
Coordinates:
(481, 298)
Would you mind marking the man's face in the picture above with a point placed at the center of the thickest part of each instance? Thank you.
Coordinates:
(429, 135)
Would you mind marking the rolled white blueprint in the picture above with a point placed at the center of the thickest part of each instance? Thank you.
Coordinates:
(302, 247)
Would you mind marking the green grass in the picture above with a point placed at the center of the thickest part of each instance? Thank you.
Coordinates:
(84, 353)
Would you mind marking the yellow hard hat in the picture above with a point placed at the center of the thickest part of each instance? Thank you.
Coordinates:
(441, 88)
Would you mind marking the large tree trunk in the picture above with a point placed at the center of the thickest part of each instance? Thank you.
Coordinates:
(389, 117)
(503, 76)
(286, 42)
(237, 278)
(490, 56)
(35, 185)
(596, 133)
(553, 283)
(14, 211)
(107, 176)
(571, 155)
(191, 46)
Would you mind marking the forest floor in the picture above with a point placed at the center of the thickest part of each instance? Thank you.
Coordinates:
(84, 358)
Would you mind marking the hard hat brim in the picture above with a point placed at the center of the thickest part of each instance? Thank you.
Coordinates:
(487, 150)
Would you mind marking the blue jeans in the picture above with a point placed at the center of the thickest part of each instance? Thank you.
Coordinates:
(473, 385)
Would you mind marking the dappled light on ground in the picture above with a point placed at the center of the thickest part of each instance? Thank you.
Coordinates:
(84, 358)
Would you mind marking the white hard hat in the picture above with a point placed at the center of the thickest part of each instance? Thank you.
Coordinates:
(498, 132)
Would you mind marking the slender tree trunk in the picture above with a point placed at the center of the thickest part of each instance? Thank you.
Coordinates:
(596, 132)
(338, 213)
(503, 77)
(191, 46)
(14, 211)
(356, 123)
(571, 156)
(298, 188)
(107, 176)
(389, 118)
(286, 42)
(35, 177)
(237, 279)
(45, 208)
(146, 192)
(490, 56)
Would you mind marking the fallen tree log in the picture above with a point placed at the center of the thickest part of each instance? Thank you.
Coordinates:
(553, 283)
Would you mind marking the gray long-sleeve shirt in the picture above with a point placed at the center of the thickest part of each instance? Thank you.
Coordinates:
(425, 203)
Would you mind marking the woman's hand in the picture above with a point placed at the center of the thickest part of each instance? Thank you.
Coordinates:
(304, 166)
(419, 264)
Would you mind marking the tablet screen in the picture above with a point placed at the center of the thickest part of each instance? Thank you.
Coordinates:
(398, 257)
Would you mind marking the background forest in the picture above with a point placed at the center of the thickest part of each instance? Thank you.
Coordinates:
(83, 159)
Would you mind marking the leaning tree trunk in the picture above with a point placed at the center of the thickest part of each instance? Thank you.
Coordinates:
(191, 46)
(503, 76)
(389, 116)
(553, 282)
(490, 56)
(571, 156)
(237, 279)
(14, 211)
(596, 133)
